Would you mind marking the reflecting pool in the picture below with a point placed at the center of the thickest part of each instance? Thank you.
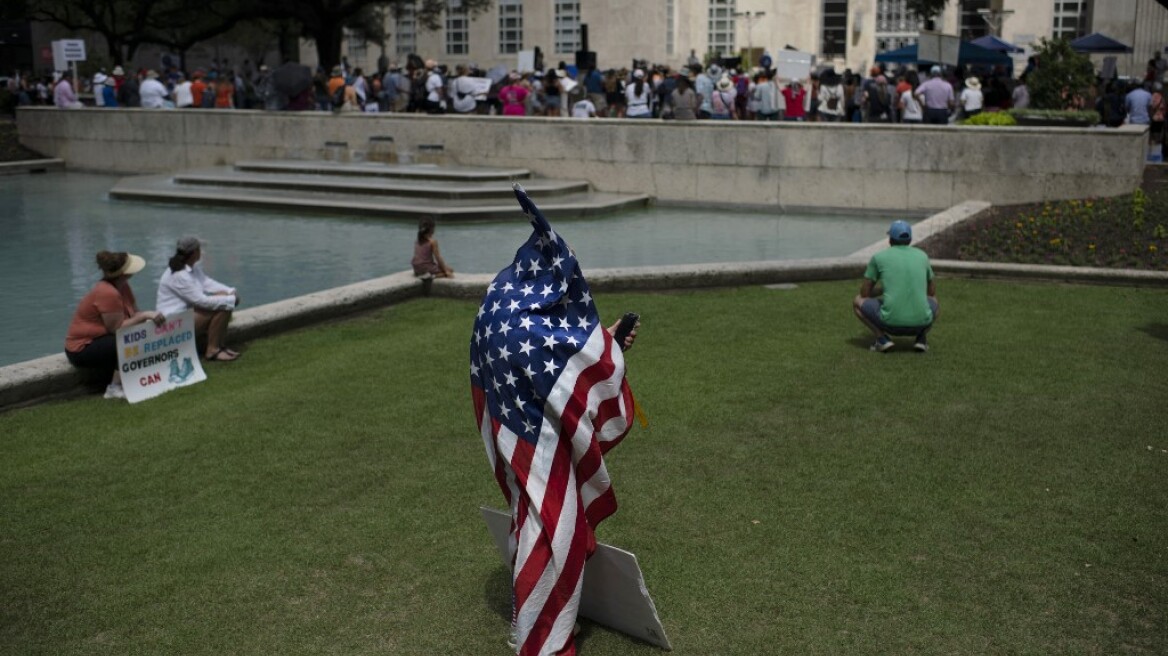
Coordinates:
(54, 224)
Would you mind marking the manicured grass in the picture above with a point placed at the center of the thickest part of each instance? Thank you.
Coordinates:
(796, 494)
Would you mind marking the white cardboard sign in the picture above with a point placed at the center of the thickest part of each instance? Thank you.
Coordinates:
(156, 359)
(940, 48)
(793, 65)
(614, 592)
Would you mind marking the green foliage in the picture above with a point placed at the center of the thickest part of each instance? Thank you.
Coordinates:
(926, 9)
(991, 118)
(1139, 204)
(1061, 75)
(794, 494)
(1089, 116)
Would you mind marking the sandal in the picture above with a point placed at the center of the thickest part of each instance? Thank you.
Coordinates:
(222, 355)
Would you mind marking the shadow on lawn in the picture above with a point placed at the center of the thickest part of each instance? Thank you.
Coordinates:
(497, 592)
(1157, 330)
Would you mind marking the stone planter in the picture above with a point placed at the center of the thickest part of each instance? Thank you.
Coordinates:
(1051, 121)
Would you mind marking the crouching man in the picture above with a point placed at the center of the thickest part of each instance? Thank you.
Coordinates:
(907, 303)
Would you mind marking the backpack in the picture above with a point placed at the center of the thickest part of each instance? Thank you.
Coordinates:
(338, 97)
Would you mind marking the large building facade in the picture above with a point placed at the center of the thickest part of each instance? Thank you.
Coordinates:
(847, 33)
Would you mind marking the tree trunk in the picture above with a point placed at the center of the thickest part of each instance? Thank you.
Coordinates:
(327, 36)
(115, 50)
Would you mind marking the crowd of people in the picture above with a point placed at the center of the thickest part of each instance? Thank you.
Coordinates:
(693, 92)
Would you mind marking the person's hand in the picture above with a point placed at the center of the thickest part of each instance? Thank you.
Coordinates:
(632, 336)
(158, 318)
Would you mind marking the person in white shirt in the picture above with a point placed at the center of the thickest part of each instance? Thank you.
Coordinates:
(185, 286)
(638, 97)
(971, 98)
(182, 92)
(98, 82)
(584, 109)
(435, 103)
(152, 92)
(910, 107)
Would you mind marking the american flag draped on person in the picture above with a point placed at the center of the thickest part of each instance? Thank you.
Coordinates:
(550, 396)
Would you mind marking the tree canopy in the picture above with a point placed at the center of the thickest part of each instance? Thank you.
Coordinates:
(127, 24)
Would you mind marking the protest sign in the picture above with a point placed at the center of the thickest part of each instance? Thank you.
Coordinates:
(614, 592)
(793, 65)
(155, 359)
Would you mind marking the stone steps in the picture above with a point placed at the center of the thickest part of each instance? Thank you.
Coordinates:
(398, 191)
(375, 185)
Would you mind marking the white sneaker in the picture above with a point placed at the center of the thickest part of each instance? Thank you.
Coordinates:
(115, 391)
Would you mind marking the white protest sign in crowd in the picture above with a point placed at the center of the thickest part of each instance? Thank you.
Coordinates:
(155, 359)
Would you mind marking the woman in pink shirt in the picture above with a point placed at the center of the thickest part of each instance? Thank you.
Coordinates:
(513, 97)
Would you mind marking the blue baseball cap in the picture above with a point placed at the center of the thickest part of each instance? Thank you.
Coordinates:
(900, 231)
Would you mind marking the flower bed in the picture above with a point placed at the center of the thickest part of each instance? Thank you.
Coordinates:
(1128, 231)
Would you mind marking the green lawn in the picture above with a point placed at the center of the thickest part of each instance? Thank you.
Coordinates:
(795, 493)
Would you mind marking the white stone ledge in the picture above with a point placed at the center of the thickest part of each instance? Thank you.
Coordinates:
(53, 377)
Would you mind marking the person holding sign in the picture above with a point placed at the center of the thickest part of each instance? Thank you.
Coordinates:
(110, 305)
(184, 286)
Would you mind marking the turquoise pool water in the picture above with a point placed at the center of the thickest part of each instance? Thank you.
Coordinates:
(53, 225)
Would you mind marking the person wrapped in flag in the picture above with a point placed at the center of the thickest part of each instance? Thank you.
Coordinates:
(550, 396)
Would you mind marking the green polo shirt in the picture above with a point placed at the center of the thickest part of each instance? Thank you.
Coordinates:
(904, 272)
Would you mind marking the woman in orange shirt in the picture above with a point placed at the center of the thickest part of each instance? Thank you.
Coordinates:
(110, 305)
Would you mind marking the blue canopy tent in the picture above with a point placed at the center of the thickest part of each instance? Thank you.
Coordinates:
(991, 42)
(969, 54)
(1099, 42)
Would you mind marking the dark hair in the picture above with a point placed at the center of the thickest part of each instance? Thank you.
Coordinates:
(178, 261)
(639, 87)
(110, 263)
(425, 229)
(899, 242)
(683, 83)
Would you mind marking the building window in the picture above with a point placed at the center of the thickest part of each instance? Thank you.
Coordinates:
(670, 26)
(457, 32)
(896, 26)
(721, 27)
(510, 26)
(973, 26)
(358, 48)
(405, 30)
(567, 27)
(835, 28)
(1070, 20)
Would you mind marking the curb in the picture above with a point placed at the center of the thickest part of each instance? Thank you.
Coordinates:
(52, 376)
(32, 166)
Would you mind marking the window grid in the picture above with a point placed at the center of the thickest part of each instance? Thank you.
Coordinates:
(457, 32)
(835, 28)
(510, 26)
(358, 48)
(405, 33)
(896, 26)
(1070, 20)
(567, 27)
(973, 26)
(720, 27)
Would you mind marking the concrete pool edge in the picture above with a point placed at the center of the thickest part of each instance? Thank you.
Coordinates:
(53, 377)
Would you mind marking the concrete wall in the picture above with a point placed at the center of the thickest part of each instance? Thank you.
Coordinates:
(887, 167)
